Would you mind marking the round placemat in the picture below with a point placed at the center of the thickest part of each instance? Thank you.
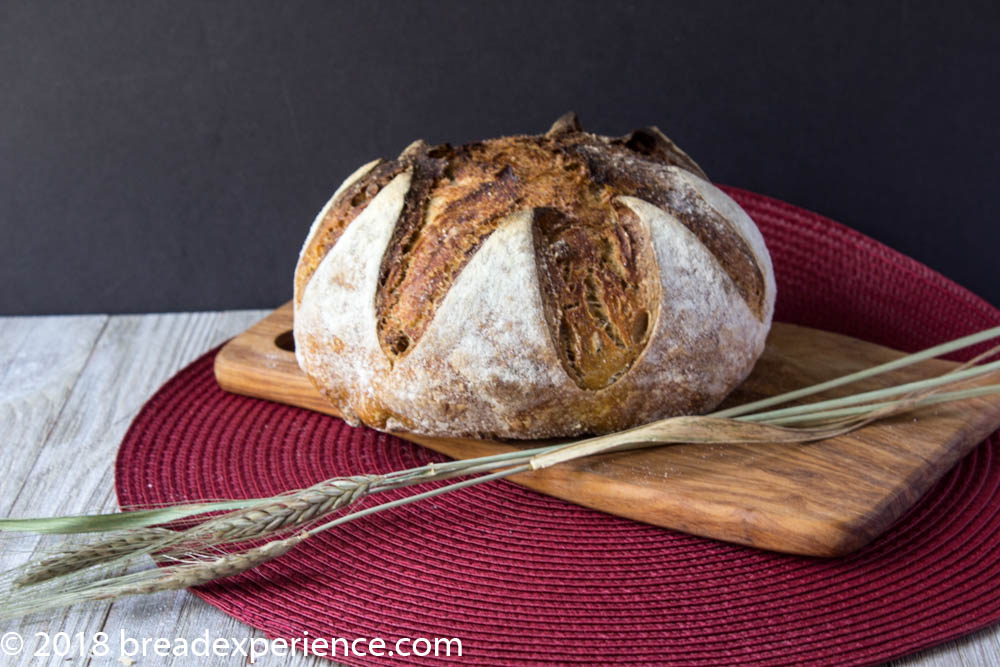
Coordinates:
(520, 577)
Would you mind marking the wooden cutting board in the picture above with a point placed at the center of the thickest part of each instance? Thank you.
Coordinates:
(821, 499)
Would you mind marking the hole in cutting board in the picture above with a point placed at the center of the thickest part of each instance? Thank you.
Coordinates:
(285, 340)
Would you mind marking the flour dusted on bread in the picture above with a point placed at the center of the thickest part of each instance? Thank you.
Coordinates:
(530, 287)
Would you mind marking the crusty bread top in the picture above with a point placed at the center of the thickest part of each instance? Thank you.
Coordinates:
(596, 269)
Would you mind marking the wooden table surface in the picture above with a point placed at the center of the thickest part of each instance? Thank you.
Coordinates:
(69, 387)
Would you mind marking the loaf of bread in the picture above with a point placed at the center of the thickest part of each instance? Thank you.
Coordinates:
(531, 287)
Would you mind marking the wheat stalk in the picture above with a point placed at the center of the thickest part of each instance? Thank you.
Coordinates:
(187, 575)
(89, 555)
(293, 510)
(203, 571)
(296, 509)
(269, 516)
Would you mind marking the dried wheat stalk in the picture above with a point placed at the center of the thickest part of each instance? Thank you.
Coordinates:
(89, 555)
(186, 575)
(293, 510)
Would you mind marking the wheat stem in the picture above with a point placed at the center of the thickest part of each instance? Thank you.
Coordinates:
(867, 396)
(892, 405)
(903, 362)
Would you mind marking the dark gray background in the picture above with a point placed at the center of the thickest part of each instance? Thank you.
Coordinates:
(171, 155)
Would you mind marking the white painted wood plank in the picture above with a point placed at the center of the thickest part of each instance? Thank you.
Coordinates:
(40, 359)
(181, 614)
(43, 358)
(979, 649)
(72, 472)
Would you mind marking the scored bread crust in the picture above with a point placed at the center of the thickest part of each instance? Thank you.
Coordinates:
(499, 348)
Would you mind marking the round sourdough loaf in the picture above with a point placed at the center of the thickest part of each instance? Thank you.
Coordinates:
(531, 287)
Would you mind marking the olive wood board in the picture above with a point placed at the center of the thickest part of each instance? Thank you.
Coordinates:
(826, 498)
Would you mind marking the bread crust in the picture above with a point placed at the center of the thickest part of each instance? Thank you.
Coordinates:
(532, 287)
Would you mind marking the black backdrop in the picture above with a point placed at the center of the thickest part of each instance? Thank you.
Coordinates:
(171, 155)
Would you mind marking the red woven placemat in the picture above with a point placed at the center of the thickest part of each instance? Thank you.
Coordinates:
(521, 577)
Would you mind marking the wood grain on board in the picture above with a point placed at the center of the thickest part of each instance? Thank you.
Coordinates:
(823, 499)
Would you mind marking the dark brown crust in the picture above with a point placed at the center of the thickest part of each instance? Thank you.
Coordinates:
(568, 123)
(600, 292)
(395, 338)
(652, 143)
(348, 205)
(589, 254)
(613, 164)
